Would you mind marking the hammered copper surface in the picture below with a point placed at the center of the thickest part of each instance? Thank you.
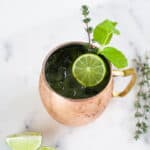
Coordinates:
(77, 112)
(74, 112)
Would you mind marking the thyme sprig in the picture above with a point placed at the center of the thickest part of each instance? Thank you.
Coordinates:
(142, 103)
(86, 20)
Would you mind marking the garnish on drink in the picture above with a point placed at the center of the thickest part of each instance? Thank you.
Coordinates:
(102, 34)
(83, 70)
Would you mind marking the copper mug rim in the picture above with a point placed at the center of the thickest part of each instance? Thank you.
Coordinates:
(68, 98)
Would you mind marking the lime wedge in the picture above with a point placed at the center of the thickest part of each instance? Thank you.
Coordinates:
(24, 141)
(46, 148)
(89, 69)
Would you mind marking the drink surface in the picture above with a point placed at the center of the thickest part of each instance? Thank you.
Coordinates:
(58, 72)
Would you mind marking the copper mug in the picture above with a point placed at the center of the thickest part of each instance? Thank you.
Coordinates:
(75, 112)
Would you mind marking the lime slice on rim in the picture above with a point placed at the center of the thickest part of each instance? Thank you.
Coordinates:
(46, 148)
(24, 141)
(89, 69)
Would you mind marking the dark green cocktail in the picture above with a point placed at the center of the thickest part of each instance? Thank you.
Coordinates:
(58, 73)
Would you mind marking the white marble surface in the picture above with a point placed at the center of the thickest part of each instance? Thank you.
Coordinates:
(28, 30)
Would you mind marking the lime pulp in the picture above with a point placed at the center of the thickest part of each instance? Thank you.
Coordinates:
(24, 141)
(89, 69)
(46, 148)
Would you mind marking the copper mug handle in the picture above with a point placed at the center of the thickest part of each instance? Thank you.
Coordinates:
(127, 72)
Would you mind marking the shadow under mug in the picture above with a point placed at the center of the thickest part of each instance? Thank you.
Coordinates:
(75, 112)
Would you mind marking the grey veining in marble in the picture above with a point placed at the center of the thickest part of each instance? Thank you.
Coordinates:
(27, 36)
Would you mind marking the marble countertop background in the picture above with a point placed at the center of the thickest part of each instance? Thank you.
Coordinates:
(28, 30)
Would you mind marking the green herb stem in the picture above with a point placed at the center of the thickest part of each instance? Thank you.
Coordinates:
(88, 33)
(86, 21)
(142, 103)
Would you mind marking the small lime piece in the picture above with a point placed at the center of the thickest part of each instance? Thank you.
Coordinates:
(24, 141)
(89, 69)
(46, 148)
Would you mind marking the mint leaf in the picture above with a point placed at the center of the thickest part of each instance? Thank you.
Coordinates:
(115, 56)
(104, 31)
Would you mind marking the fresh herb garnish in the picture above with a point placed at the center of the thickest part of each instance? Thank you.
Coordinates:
(104, 31)
(115, 56)
(102, 34)
(86, 20)
(142, 103)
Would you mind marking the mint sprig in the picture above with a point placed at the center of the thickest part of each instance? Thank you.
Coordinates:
(104, 31)
(102, 34)
(115, 56)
